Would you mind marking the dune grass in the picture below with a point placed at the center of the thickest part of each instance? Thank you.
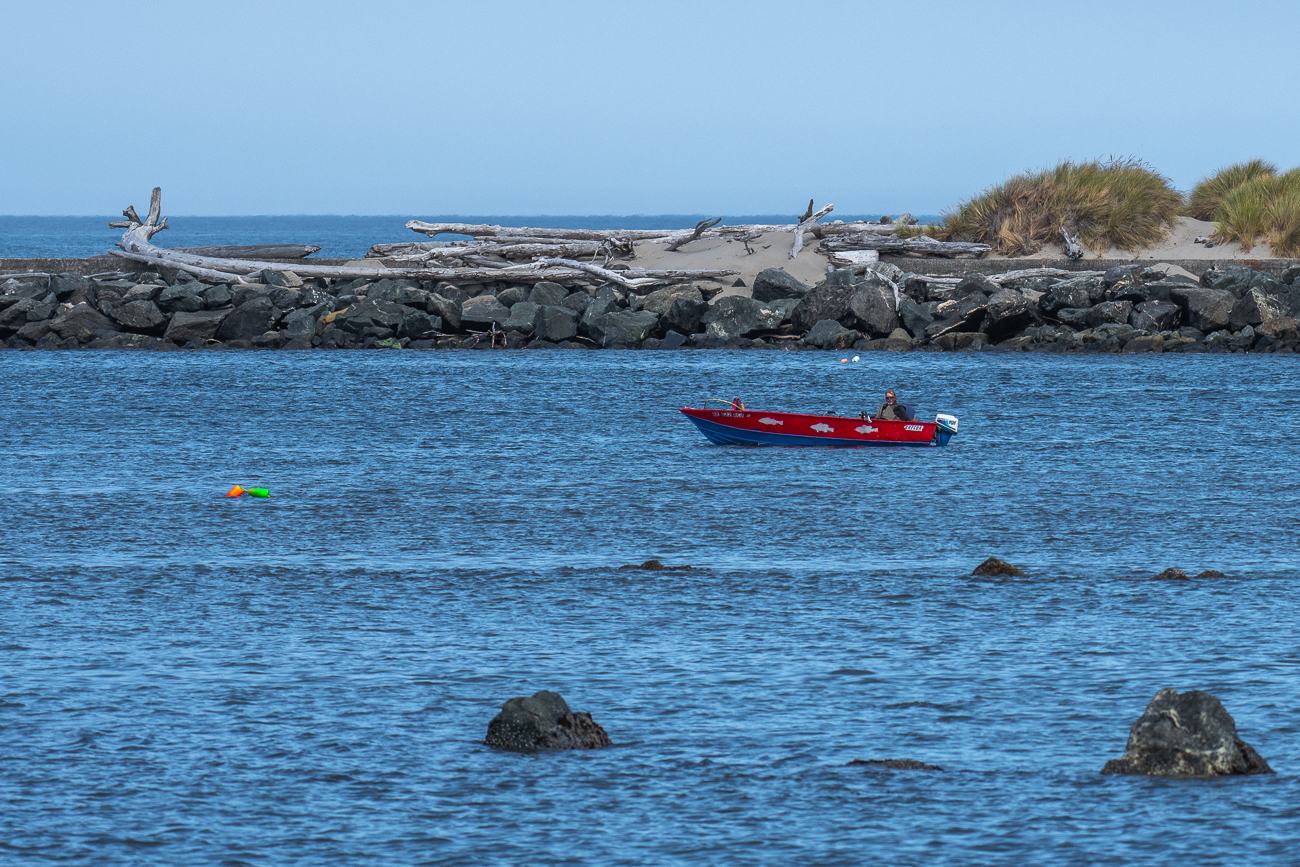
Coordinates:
(1265, 207)
(1208, 194)
(1284, 219)
(1116, 203)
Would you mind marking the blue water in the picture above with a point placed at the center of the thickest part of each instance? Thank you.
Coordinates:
(337, 236)
(186, 679)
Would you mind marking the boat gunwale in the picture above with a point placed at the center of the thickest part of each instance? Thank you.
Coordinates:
(734, 413)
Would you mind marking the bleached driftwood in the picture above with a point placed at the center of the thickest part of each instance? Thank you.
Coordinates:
(241, 271)
(255, 251)
(524, 234)
(1073, 249)
(632, 278)
(920, 245)
(484, 230)
(700, 228)
(526, 242)
(854, 258)
(805, 223)
(136, 245)
(1008, 276)
(441, 251)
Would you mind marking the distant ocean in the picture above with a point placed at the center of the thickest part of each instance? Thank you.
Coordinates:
(338, 237)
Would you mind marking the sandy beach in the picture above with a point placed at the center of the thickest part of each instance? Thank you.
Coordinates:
(772, 251)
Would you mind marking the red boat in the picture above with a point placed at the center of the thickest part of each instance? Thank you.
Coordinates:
(738, 426)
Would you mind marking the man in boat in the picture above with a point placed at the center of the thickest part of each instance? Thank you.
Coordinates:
(892, 410)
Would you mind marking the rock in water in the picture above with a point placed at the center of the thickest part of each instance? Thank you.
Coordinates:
(1188, 735)
(897, 764)
(994, 566)
(544, 722)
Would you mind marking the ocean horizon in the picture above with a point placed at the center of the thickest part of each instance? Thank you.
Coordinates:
(339, 236)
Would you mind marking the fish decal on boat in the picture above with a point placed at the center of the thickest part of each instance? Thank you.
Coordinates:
(865, 429)
(766, 420)
(823, 427)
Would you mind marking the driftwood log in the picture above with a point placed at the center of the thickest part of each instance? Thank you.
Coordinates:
(1073, 249)
(520, 234)
(854, 258)
(806, 222)
(137, 245)
(510, 242)
(700, 228)
(255, 251)
(920, 245)
(483, 230)
(446, 251)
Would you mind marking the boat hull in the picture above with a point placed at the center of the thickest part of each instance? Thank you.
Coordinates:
(745, 427)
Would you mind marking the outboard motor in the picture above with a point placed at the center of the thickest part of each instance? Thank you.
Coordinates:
(945, 428)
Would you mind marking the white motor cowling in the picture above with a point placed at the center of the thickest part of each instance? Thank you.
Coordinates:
(947, 422)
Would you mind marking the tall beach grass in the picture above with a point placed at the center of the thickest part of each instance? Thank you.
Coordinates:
(1208, 195)
(1250, 202)
(1116, 203)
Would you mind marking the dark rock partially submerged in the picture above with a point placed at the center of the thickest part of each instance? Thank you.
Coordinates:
(656, 566)
(896, 764)
(994, 566)
(544, 722)
(1187, 735)
(1174, 574)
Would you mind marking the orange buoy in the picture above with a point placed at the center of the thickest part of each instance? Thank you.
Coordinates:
(235, 491)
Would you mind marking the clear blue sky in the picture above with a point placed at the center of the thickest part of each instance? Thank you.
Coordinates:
(611, 108)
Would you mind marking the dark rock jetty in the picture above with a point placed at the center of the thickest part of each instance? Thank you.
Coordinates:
(544, 722)
(1128, 309)
(1187, 735)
